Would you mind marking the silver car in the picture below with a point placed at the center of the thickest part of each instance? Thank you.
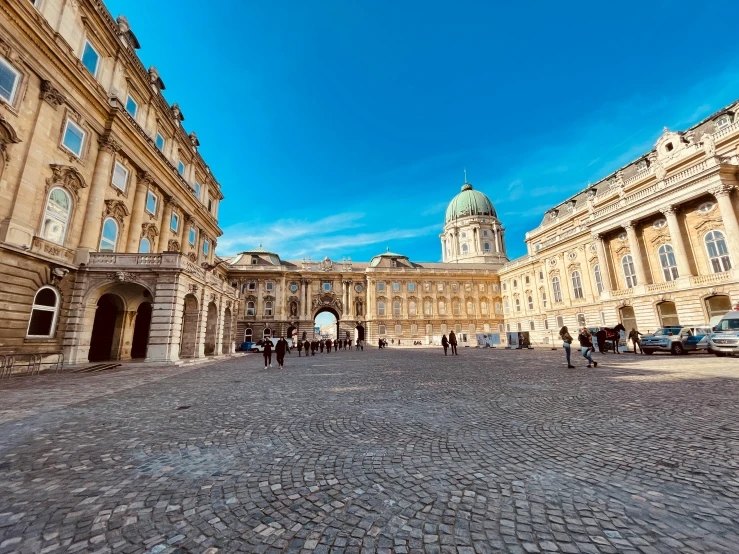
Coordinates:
(676, 340)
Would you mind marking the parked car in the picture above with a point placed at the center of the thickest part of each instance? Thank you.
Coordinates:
(259, 345)
(724, 340)
(676, 339)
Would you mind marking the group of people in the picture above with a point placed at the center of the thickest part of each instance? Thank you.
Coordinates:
(585, 338)
(451, 341)
(310, 348)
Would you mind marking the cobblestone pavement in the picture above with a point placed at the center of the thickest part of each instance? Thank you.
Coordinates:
(393, 451)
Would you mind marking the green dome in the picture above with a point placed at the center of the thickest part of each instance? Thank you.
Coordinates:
(469, 202)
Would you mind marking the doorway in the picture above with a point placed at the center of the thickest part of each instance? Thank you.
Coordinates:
(628, 318)
(326, 324)
(106, 329)
(140, 340)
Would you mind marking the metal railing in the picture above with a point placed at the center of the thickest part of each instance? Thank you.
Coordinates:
(32, 366)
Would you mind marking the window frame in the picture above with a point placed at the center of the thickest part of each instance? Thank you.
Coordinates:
(629, 277)
(206, 247)
(380, 307)
(269, 286)
(380, 286)
(66, 223)
(576, 280)
(556, 289)
(192, 236)
(397, 308)
(197, 190)
(268, 308)
(151, 194)
(181, 164)
(598, 279)
(97, 61)
(251, 308)
(396, 287)
(411, 287)
(720, 262)
(40, 307)
(530, 301)
(82, 141)
(174, 218)
(131, 99)
(126, 172)
(147, 242)
(102, 235)
(163, 140)
(668, 266)
(16, 81)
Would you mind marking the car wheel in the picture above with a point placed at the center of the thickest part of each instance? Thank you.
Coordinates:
(720, 354)
(648, 351)
(678, 349)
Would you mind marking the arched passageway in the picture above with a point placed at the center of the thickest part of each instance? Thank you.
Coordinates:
(227, 338)
(141, 330)
(188, 343)
(107, 329)
(326, 323)
(360, 332)
(211, 330)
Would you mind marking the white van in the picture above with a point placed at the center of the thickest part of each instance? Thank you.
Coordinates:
(724, 340)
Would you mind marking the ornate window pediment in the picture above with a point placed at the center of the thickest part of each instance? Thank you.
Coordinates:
(116, 209)
(66, 176)
(150, 231)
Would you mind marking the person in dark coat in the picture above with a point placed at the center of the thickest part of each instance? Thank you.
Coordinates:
(313, 347)
(267, 353)
(600, 336)
(453, 342)
(379, 343)
(281, 348)
(444, 343)
(306, 347)
(329, 344)
(337, 342)
(586, 345)
(321, 345)
(300, 348)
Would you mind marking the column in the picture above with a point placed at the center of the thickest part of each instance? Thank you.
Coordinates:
(166, 229)
(605, 272)
(219, 329)
(497, 240)
(676, 237)
(199, 245)
(143, 179)
(96, 197)
(166, 319)
(564, 280)
(731, 226)
(641, 276)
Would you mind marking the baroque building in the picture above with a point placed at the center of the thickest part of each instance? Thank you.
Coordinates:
(108, 213)
(655, 243)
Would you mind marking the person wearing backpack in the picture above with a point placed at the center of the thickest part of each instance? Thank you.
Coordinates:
(566, 342)
(586, 344)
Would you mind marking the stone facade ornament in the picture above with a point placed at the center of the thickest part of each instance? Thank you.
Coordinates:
(709, 144)
(192, 257)
(327, 300)
(107, 144)
(50, 94)
(116, 209)
(145, 178)
(326, 264)
(67, 177)
(173, 245)
(150, 231)
(194, 139)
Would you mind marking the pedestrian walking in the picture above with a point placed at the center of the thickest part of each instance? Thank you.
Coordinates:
(313, 347)
(300, 348)
(281, 348)
(453, 342)
(267, 353)
(586, 345)
(336, 344)
(329, 343)
(635, 337)
(322, 345)
(566, 342)
(444, 343)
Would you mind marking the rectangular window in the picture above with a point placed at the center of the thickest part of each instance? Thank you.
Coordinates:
(74, 138)
(411, 287)
(396, 287)
(210, 205)
(381, 329)
(175, 223)
(180, 167)
(398, 330)
(270, 285)
(192, 235)
(381, 286)
(132, 106)
(151, 203)
(160, 142)
(197, 190)
(120, 176)
(205, 247)
(440, 287)
(326, 287)
(251, 286)
(90, 58)
(9, 79)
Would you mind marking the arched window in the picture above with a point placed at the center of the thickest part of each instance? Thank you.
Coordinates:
(544, 299)
(456, 309)
(668, 314)
(411, 308)
(487, 247)
(497, 308)
(530, 302)
(248, 334)
(717, 251)
(266, 333)
(718, 305)
(144, 246)
(396, 308)
(667, 261)
(465, 249)
(515, 283)
(442, 307)
(250, 310)
(598, 278)
(268, 308)
(44, 313)
(577, 285)
(109, 237)
(427, 307)
(484, 308)
(380, 308)
(556, 289)
(470, 308)
(56, 215)
(627, 263)
(506, 306)
(518, 304)
(532, 327)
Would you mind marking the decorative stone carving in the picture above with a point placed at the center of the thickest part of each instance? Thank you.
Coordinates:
(116, 209)
(123, 276)
(724, 189)
(107, 144)
(294, 309)
(327, 300)
(173, 245)
(176, 113)
(194, 139)
(193, 288)
(326, 265)
(709, 144)
(192, 257)
(145, 178)
(50, 94)
(150, 231)
(67, 177)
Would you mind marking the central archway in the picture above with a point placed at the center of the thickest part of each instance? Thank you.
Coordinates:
(106, 329)
(326, 321)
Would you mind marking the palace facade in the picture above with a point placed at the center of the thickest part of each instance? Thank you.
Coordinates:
(655, 243)
(108, 213)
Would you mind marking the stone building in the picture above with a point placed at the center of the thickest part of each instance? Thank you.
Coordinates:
(108, 213)
(391, 296)
(655, 243)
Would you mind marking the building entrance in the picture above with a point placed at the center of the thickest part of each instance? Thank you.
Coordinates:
(326, 324)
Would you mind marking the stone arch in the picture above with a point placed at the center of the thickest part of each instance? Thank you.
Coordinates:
(189, 342)
(107, 328)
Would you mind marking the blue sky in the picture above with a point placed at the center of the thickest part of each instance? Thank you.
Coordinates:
(341, 127)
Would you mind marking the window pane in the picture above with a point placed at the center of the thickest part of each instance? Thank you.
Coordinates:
(120, 176)
(131, 106)
(151, 203)
(8, 81)
(90, 58)
(73, 138)
(144, 246)
(160, 142)
(40, 324)
(110, 235)
(181, 168)
(175, 223)
(192, 235)
(45, 297)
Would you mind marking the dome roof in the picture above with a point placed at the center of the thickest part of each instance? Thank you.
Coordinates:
(469, 202)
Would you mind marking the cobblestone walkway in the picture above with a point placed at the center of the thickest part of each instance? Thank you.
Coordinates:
(394, 451)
